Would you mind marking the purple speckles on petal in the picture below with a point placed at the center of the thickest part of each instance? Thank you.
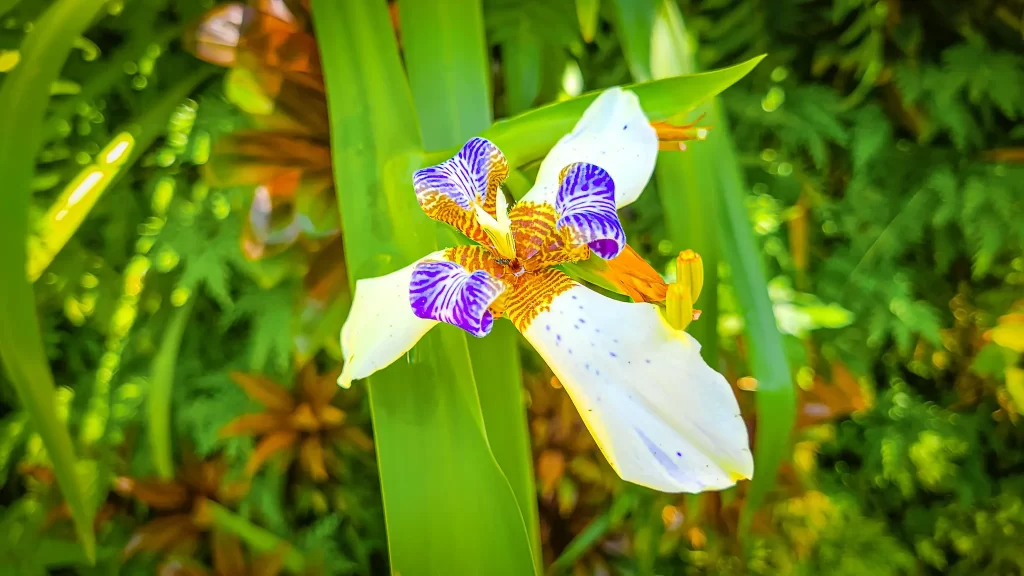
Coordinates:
(613, 354)
(680, 454)
(585, 203)
(446, 292)
(659, 454)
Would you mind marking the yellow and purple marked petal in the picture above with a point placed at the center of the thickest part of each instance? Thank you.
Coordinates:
(448, 292)
(451, 191)
(586, 210)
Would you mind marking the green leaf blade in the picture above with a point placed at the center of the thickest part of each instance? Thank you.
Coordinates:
(23, 99)
(447, 62)
(528, 137)
(437, 470)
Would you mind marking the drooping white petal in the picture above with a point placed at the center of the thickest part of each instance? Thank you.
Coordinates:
(615, 134)
(381, 325)
(663, 418)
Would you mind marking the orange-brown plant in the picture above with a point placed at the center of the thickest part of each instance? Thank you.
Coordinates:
(181, 506)
(228, 560)
(302, 422)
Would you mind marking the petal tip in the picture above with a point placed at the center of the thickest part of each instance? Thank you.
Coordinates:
(345, 378)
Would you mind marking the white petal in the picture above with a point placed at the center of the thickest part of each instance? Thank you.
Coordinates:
(661, 415)
(615, 134)
(381, 326)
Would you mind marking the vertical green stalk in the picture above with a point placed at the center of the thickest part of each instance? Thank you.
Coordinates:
(776, 397)
(446, 55)
(256, 537)
(23, 100)
(702, 195)
(449, 508)
(158, 403)
(657, 47)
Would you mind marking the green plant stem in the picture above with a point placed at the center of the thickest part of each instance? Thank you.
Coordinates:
(23, 99)
(776, 397)
(257, 538)
(158, 403)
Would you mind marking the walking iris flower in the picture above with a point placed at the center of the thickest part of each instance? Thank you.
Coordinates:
(663, 418)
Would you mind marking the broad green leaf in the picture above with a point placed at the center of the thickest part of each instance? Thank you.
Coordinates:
(776, 397)
(161, 384)
(446, 56)
(23, 100)
(529, 136)
(449, 86)
(448, 506)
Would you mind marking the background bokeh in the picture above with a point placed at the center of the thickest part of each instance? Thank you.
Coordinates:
(879, 149)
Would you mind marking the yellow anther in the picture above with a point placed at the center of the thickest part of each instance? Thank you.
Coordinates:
(690, 272)
(682, 293)
(679, 306)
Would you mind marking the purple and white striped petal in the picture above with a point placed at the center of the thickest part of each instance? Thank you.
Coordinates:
(585, 205)
(470, 177)
(614, 134)
(447, 292)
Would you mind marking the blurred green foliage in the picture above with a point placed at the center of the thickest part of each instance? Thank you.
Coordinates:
(883, 149)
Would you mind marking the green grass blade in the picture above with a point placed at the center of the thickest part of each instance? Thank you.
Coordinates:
(634, 20)
(448, 506)
(259, 539)
(23, 100)
(521, 56)
(776, 397)
(447, 61)
(445, 53)
(8, 5)
(158, 403)
(528, 137)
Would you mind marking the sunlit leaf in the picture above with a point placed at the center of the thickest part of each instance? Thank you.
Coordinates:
(23, 99)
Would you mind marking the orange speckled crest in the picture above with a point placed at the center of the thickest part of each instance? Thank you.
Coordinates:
(526, 295)
(534, 294)
(452, 191)
(443, 209)
(474, 258)
(538, 242)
